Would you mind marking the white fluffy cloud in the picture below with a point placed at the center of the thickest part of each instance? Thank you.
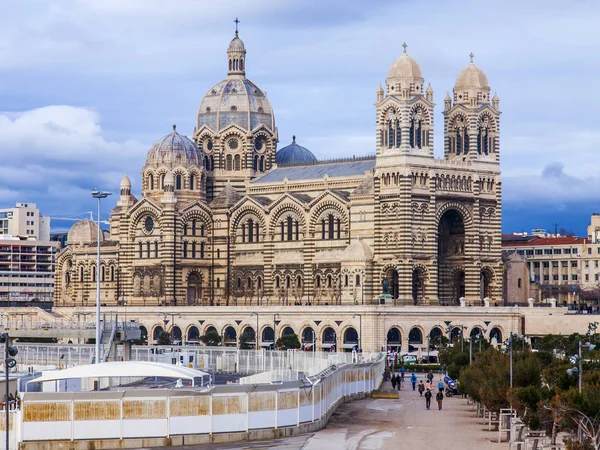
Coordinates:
(55, 155)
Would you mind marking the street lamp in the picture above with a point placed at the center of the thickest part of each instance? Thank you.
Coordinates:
(359, 329)
(99, 195)
(252, 314)
(276, 317)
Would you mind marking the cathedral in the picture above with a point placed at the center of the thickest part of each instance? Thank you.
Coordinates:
(227, 218)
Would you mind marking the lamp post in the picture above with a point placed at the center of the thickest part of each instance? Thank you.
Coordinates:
(98, 195)
(359, 329)
(252, 314)
(276, 317)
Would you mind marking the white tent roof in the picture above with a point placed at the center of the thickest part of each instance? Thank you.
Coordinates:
(136, 369)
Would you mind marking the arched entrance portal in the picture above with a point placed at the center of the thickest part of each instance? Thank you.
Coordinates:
(194, 288)
(418, 285)
(308, 339)
(451, 257)
(394, 340)
(391, 276)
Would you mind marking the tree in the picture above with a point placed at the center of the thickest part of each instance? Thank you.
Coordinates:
(211, 338)
(247, 340)
(164, 338)
(289, 341)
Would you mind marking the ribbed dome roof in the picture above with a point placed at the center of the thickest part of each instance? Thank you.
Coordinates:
(236, 44)
(125, 182)
(405, 67)
(235, 100)
(294, 154)
(173, 150)
(83, 232)
(471, 77)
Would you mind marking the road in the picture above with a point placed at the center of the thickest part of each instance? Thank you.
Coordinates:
(371, 424)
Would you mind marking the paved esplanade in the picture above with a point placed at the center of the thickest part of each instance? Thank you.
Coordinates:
(388, 424)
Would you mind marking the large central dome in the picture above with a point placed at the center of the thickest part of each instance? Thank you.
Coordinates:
(235, 100)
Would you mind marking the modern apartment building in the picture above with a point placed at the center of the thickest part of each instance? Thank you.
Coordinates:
(27, 257)
(24, 221)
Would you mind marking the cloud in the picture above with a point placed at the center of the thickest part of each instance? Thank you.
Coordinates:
(55, 155)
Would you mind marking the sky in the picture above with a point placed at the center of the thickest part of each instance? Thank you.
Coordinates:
(87, 86)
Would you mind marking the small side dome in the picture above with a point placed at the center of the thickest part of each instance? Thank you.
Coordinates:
(405, 67)
(125, 182)
(357, 251)
(471, 77)
(174, 150)
(83, 232)
(294, 154)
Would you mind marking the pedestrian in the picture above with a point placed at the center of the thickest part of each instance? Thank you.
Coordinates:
(430, 377)
(421, 388)
(440, 398)
(402, 370)
(413, 380)
(440, 385)
(428, 385)
(399, 381)
(393, 380)
(428, 398)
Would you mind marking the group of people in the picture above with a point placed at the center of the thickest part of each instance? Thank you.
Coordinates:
(425, 389)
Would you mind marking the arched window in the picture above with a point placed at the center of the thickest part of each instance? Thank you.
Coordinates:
(398, 134)
(288, 282)
(519, 283)
(140, 255)
(178, 181)
(237, 165)
(229, 162)
(150, 181)
(112, 273)
(156, 249)
(357, 283)
(185, 249)
(102, 274)
(331, 226)
(255, 163)
(289, 228)
(193, 227)
(318, 281)
(346, 280)
(411, 136)
(390, 134)
(162, 181)
(261, 164)
(192, 182)
(299, 281)
(250, 230)
(81, 274)
(201, 250)
(193, 250)
(329, 281)
(277, 282)
(259, 282)
(148, 250)
(483, 138)
(93, 273)
(202, 229)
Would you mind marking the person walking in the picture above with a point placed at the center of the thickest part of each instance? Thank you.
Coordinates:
(421, 388)
(440, 385)
(413, 380)
(430, 377)
(402, 370)
(428, 398)
(428, 385)
(440, 398)
(393, 380)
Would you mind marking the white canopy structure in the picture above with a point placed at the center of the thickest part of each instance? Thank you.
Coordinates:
(133, 369)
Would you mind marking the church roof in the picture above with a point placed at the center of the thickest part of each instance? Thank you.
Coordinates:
(294, 154)
(316, 171)
(227, 197)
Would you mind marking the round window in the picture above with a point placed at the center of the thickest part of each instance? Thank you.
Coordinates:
(209, 145)
(149, 224)
(233, 144)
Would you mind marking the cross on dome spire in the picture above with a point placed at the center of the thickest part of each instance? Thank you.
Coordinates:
(236, 25)
(404, 45)
(471, 56)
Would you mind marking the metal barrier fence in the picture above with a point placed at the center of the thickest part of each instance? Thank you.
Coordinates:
(219, 359)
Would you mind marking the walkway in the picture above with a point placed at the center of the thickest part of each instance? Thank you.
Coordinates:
(387, 424)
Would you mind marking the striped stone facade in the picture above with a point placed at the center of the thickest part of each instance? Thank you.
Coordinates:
(219, 222)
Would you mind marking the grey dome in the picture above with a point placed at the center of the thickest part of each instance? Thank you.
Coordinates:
(173, 150)
(235, 100)
(294, 154)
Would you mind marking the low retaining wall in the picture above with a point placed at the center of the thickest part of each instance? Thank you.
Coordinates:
(155, 417)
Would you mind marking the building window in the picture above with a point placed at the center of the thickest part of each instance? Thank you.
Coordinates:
(237, 164)
(529, 252)
(547, 251)
(193, 250)
(568, 251)
(546, 264)
(589, 250)
(574, 251)
(574, 277)
(140, 251)
(194, 227)
(538, 251)
(557, 251)
(555, 277)
(178, 181)
(201, 250)
(521, 252)
(565, 264)
(346, 281)
(574, 264)
(185, 244)
(148, 250)
(156, 249)
(536, 265)
(357, 280)
(218, 253)
(565, 277)
(112, 273)
(546, 277)
(587, 277)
